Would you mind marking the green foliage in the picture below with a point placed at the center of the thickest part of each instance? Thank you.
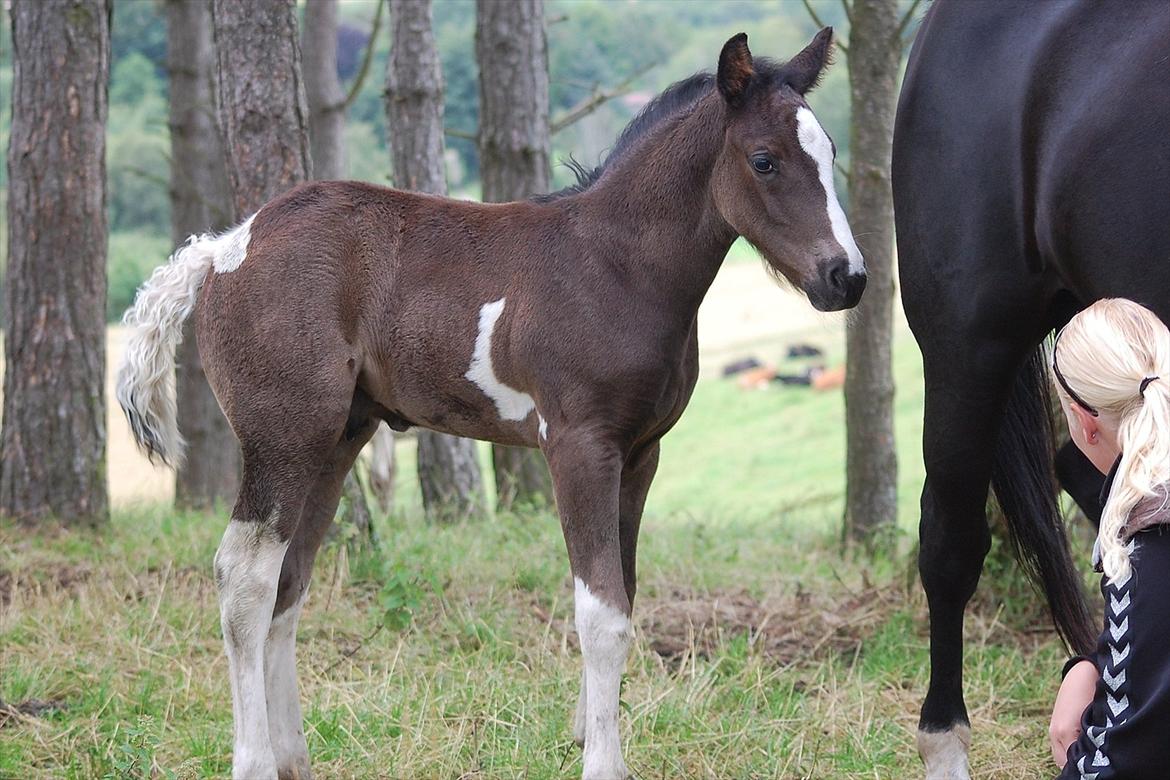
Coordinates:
(134, 756)
(132, 257)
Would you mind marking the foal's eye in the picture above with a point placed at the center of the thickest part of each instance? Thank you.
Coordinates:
(762, 164)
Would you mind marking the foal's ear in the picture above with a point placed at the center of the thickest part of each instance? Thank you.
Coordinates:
(803, 72)
(735, 69)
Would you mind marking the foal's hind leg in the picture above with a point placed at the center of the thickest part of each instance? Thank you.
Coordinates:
(636, 477)
(285, 723)
(586, 475)
(247, 568)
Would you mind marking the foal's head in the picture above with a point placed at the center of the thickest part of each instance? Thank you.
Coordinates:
(773, 181)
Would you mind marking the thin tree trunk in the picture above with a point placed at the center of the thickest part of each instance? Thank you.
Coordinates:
(327, 142)
(200, 202)
(262, 107)
(323, 89)
(512, 53)
(872, 467)
(448, 467)
(53, 438)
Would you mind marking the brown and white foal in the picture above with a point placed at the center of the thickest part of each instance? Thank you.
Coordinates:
(565, 323)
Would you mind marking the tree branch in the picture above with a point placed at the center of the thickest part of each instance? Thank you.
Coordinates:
(906, 19)
(466, 136)
(841, 45)
(848, 13)
(599, 97)
(367, 57)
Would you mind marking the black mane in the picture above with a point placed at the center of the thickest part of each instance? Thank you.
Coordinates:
(673, 100)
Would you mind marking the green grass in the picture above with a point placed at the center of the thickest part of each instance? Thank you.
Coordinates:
(763, 651)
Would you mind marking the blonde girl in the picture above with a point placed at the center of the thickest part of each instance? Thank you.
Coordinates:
(1111, 718)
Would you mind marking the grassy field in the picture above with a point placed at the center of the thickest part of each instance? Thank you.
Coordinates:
(762, 651)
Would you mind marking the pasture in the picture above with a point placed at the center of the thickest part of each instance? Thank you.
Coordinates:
(762, 650)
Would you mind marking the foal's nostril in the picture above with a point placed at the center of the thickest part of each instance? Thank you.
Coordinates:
(837, 274)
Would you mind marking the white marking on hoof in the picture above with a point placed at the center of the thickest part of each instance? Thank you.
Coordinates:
(285, 723)
(247, 567)
(233, 247)
(816, 144)
(606, 634)
(945, 752)
(511, 404)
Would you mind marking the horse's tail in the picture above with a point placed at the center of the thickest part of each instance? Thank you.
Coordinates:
(1026, 492)
(146, 378)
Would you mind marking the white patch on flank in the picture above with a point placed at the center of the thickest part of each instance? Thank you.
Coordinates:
(606, 634)
(945, 752)
(511, 404)
(285, 724)
(542, 426)
(234, 247)
(247, 566)
(817, 145)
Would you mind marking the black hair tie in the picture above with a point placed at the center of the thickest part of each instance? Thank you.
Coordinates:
(1146, 383)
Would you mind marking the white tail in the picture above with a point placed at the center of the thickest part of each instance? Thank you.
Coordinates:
(146, 378)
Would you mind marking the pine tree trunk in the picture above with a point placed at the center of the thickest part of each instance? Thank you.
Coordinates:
(323, 89)
(327, 141)
(53, 438)
(262, 108)
(200, 202)
(872, 465)
(512, 53)
(448, 467)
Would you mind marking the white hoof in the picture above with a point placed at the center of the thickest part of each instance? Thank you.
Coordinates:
(945, 752)
(253, 767)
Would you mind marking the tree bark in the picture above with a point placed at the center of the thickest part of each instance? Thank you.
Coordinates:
(53, 438)
(512, 53)
(323, 89)
(262, 108)
(448, 467)
(872, 466)
(327, 143)
(200, 202)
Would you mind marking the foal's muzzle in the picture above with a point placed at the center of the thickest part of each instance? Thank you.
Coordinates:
(837, 288)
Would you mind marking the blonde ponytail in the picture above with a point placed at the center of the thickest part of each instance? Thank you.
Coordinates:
(1115, 356)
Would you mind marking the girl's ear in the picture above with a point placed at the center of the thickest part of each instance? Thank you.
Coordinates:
(1088, 423)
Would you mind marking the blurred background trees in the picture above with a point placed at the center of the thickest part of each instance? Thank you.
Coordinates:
(558, 78)
(53, 435)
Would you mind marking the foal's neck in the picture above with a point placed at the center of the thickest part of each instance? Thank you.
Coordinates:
(661, 220)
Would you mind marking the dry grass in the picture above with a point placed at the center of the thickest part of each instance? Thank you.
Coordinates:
(765, 667)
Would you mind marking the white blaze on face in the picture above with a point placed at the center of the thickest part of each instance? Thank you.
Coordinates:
(816, 144)
(232, 247)
(511, 404)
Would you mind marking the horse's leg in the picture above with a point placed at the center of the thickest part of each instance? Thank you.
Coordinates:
(965, 398)
(247, 568)
(285, 723)
(586, 475)
(635, 483)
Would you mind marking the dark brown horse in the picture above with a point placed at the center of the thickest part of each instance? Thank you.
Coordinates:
(565, 323)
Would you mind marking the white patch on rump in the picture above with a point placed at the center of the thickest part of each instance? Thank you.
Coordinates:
(606, 634)
(945, 752)
(511, 404)
(816, 144)
(233, 247)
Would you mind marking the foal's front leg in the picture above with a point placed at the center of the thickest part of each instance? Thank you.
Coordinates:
(586, 475)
